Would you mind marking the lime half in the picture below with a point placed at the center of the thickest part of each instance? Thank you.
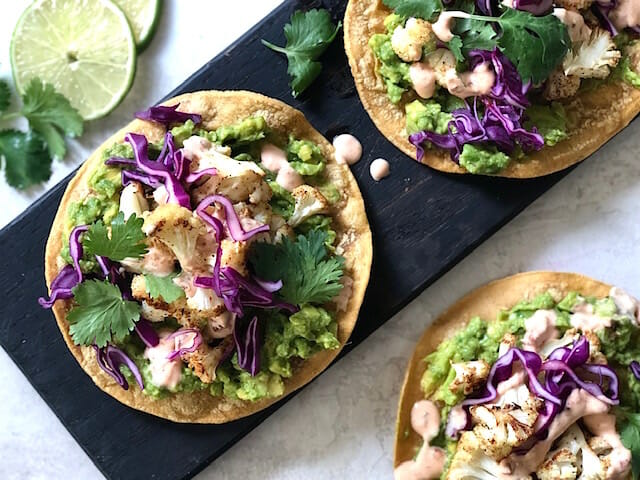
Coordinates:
(84, 48)
(143, 17)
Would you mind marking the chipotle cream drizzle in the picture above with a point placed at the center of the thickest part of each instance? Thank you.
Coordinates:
(442, 28)
(275, 159)
(471, 84)
(348, 149)
(603, 425)
(429, 463)
(423, 79)
(379, 169)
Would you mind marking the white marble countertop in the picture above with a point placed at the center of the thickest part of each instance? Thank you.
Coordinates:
(342, 425)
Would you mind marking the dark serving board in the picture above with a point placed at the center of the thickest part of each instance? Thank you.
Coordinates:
(424, 222)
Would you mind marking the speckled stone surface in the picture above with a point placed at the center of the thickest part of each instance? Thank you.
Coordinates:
(342, 425)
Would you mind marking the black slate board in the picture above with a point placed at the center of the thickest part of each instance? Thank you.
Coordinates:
(424, 222)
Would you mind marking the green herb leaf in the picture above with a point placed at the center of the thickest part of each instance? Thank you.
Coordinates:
(415, 8)
(27, 160)
(307, 275)
(476, 35)
(308, 35)
(5, 96)
(163, 287)
(101, 314)
(50, 114)
(126, 240)
(629, 426)
(536, 45)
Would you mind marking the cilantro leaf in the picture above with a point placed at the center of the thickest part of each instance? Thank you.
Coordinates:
(126, 240)
(307, 275)
(476, 35)
(101, 314)
(308, 35)
(629, 426)
(26, 159)
(163, 287)
(50, 114)
(5, 95)
(415, 8)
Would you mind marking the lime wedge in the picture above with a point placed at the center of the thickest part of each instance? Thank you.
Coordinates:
(143, 17)
(84, 48)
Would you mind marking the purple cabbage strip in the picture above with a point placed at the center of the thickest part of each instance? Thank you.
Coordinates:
(557, 366)
(69, 276)
(184, 332)
(195, 176)
(176, 191)
(233, 222)
(146, 333)
(601, 9)
(168, 115)
(635, 369)
(110, 358)
(508, 87)
(535, 7)
(248, 346)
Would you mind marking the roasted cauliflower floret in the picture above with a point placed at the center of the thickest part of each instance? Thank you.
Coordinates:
(234, 255)
(408, 41)
(573, 459)
(133, 201)
(593, 58)
(504, 426)
(205, 359)
(469, 376)
(279, 229)
(309, 201)
(469, 462)
(444, 65)
(614, 457)
(179, 229)
(159, 260)
(559, 85)
(574, 4)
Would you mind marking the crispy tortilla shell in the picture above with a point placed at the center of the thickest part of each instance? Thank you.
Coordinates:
(594, 115)
(485, 302)
(223, 108)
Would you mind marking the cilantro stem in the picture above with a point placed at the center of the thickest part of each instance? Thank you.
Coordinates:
(275, 47)
(10, 116)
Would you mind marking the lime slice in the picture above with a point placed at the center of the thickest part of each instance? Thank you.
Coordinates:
(84, 48)
(143, 17)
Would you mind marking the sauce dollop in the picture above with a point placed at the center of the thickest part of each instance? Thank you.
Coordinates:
(164, 372)
(429, 463)
(379, 169)
(471, 84)
(626, 14)
(348, 149)
(423, 78)
(444, 24)
(275, 159)
(604, 426)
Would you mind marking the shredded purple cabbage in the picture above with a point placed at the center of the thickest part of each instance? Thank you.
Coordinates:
(535, 7)
(168, 115)
(69, 276)
(233, 222)
(635, 369)
(110, 358)
(500, 124)
(191, 336)
(248, 343)
(146, 333)
(601, 9)
(170, 176)
(195, 176)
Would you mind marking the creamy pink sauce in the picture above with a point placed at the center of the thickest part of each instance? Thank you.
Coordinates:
(423, 79)
(579, 404)
(471, 84)
(379, 169)
(275, 159)
(625, 303)
(164, 372)
(540, 328)
(578, 30)
(157, 262)
(584, 319)
(348, 149)
(626, 14)
(160, 195)
(444, 24)
(604, 425)
(429, 463)
(517, 378)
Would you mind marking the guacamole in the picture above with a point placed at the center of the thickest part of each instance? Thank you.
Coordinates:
(426, 115)
(550, 120)
(483, 160)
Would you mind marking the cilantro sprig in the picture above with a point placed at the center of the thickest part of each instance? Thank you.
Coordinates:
(536, 45)
(308, 35)
(163, 288)
(101, 314)
(126, 239)
(629, 426)
(307, 274)
(415, 8)
(28, 155)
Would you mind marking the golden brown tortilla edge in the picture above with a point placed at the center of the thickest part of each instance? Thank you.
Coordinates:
(223, 108)
(486, 302)
(601, 113)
